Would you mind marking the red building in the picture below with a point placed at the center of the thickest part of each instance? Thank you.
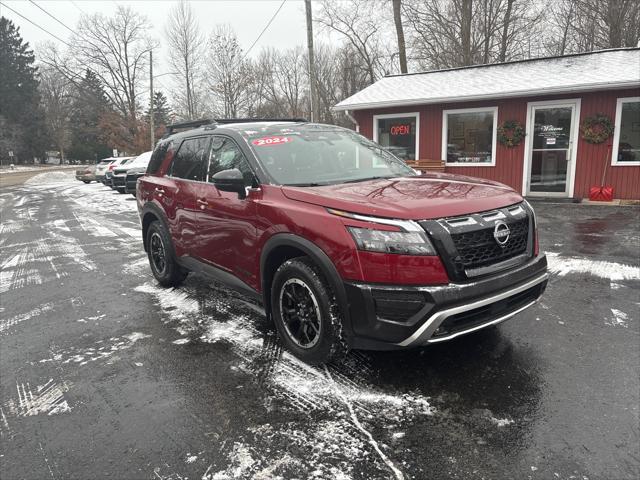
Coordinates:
(454, 115)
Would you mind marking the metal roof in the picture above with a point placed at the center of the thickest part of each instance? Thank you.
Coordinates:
(604, 69)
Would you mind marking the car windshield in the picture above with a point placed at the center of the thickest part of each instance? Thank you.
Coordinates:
(141, 160)
(309, 155)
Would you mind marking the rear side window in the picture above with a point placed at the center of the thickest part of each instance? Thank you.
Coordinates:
(190, 161)
(158, 156)
(225, 154)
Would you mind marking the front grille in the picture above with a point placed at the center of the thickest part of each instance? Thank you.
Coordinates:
(478, 248)
(473, 318)
(467, 245)
(118, 181)
(397, 306)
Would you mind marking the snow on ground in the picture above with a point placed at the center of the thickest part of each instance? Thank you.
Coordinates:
(341, 398)
(613, 271)
(36, 168)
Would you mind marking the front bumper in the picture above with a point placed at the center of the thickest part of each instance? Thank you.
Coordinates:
(385, 317)
(118, 181)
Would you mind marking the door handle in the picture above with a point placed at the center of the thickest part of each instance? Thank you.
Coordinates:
(202, 203)
(159, 191)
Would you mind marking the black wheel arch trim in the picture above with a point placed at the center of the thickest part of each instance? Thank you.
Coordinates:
(319, 257)
(157, 212)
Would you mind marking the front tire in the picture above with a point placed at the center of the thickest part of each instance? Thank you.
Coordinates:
(162, 257)
(120, 190)
(306, 313)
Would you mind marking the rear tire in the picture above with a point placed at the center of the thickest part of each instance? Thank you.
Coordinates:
(86, 181)
(306, 313)
(162, 257)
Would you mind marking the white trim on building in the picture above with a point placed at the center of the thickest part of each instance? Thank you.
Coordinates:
(399, 115)
(445, 128)
(616, 132)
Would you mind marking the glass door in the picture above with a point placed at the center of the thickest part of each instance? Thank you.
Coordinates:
(550, 156)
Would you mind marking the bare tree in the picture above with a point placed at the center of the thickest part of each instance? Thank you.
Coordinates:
(586, 25)
(290, 76)
(361, 24)
(186, 50)
(115, 48)
(402, 48)
(57, 103)
(230, 74)
(453, 33)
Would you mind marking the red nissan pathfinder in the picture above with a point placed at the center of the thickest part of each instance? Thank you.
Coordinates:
(344, 244)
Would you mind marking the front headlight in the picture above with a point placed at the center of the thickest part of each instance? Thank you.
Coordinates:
(404, 243)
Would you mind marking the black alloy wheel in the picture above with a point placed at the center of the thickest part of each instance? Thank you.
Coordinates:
(300, 313)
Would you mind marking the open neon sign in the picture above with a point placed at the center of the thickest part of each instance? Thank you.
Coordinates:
(400, 130)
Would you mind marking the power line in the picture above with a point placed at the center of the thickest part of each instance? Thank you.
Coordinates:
(65, 26)
(76, 5)
(264, 29)
(35, 24)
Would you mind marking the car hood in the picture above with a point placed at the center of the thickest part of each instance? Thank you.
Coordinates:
(434, 195)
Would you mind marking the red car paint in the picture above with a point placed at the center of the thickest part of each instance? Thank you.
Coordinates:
(229, 233)
(469, 274)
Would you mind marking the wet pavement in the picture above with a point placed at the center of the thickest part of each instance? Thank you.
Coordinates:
(105, 375)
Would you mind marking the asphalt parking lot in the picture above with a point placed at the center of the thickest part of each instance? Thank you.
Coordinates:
(105, 375)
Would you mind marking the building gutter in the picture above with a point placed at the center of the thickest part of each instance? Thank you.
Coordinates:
(572, 89)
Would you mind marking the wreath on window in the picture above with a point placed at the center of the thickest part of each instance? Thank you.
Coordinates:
(510, 133)
(597, 128)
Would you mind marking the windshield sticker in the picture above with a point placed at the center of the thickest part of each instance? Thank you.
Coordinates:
(261, 142)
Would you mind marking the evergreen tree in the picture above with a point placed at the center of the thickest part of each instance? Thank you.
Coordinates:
(89, 106)
(20, 109)
(161, 111)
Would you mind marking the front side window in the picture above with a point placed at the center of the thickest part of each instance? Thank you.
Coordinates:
(190, 160)
(308, 155)
(398, 135)
(469, 136)
(225, 154)
(626, 142)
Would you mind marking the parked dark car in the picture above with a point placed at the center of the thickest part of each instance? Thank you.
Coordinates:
(132, 179)
(108, 176)
(343, 244)
(118, 179)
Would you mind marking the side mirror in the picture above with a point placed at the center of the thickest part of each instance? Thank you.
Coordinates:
(230, 180)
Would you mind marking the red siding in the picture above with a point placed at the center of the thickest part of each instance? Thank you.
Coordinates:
(509, 161)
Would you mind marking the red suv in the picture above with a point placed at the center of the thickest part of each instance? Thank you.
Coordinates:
(343, 243)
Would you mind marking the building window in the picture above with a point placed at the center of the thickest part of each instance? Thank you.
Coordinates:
(626, 138)
(398, 134)
(469, 136)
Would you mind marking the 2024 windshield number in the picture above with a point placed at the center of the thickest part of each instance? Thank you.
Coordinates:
(261, 142)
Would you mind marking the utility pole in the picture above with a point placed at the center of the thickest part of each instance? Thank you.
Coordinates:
(151, 115)
(312, 65)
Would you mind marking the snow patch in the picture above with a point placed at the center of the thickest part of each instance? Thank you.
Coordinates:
(612, 271)
(47, 399)
(619, 319)
(502, 422)
(13, 321)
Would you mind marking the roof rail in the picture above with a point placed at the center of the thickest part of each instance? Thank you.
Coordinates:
(254, 120)
(173, 128)
(187, 125)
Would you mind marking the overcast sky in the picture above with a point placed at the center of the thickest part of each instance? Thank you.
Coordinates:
(247, 17)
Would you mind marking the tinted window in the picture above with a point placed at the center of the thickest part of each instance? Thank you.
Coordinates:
(190, 161)
(225, 154)
(158, 156)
